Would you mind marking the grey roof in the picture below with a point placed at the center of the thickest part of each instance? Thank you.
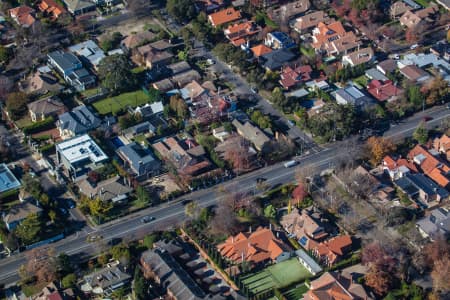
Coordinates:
(276, 59)
(388, 65)
(21, 211)
(412, 183)
(352, 95)
(311, 263)
(90, 50)
(74, 5)
(80, 120)
(172, 275)
(375, 74)
(413, 4)
(141, 159)
(143, 127)
(106, 190)
(178, 67)
(65, 60)
(108, 277)
(437, 221)
(46, 106)
(252, 133)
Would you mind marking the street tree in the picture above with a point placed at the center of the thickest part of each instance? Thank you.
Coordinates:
(115, 74)
(378, 148)
(41, 265)
(192, 210)
(421, 133)
(29, 230)
(181, 10)
(69, 281)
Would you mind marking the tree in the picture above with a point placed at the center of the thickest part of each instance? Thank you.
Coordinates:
(438, 91)
(421, 133)
(192, 210)
(29, 229)
(69, 281)
(270, 211)
(379, 280)
(115, 73)
(99, 208)
(139, 285)
(150, 239)
(111, 42)
(64, 264)
(5, 54)
(414, 95)
(181, 10)
(439, 274)
(41, 265)
(224, 220)
(121, 253)
(16, 104)
(378, 148)
(143, 196)
(299, 194)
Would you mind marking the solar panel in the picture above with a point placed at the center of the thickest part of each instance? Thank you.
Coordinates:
(303, 241)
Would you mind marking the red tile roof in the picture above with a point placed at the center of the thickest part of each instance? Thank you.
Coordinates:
(383, 91)
(22, 15)
(290, 77)
(260, 50)
(255, 247)
(432, 166)
(51, 7)
(224, 16)
(331, 250)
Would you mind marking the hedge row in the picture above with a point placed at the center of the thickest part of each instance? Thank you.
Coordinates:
(40, 126)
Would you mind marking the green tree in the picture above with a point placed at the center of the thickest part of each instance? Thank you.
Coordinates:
(414, 95)
(181, 10)
(64, 264)
(139, 285)
(69, 281)
(421, 133)
(150, 239)
(142, 196)
(121, 253)
(115, 74)
(5, 54)
(270, 212)
(30, 228)
(99, 208)
(16, 104)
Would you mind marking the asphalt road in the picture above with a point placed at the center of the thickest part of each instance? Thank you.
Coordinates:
(170, 214)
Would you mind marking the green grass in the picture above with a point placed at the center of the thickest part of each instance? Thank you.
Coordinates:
(90, 92)
(24, 122)
(424, 3)
(117, 103)
(361, 80)
(296, 293)
(141, 139)
(276, 276)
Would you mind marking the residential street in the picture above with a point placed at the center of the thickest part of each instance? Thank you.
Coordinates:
(170, 214)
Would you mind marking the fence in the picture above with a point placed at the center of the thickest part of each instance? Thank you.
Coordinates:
(45, 242)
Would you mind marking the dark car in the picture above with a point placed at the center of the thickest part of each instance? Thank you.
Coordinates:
(186, 201)
(427, 118)
(147, 219)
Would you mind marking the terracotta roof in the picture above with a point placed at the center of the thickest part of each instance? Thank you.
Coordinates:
(442, 144)
(309, 20)
(331, 250)
(439, 177)
(238, 32)
(290, 77)
(383, 91)
(260, 50)
(389, 162)
(255, 247)
(432, 166)
(22, 15)
(51, 7)
(224, 16)
(410, 19)
(333, 38)
(360, 56)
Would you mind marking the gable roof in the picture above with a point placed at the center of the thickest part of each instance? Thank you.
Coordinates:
(224, 16)
(410, 19)
(47, 106)
(387, 66)
(414, 73)
(141, 159)
(51, 7)
(310, 20)
(277, 58)
(75, 5)
(255, 247)
(78, 121)
(137, 39)
(260, 50)
(360, 56)
(21, 211)
(383, 90)
(23, 15)
(106, 190)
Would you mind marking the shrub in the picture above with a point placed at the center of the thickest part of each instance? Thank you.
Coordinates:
(40, 126)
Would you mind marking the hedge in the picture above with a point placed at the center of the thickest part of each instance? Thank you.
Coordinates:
(47, 148)
(40, 126)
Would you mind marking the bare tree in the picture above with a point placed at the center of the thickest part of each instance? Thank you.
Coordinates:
(41, 265)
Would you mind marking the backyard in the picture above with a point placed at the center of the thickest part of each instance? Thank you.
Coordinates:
(120, 102)
(276, 276)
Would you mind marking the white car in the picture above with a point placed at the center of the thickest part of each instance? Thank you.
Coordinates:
(415, 46)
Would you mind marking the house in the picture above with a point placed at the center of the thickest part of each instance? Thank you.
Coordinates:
(264, 3)
(276, 59)
(434, 224)
(332, 39)
(423, 60)
(291, 77)
(415, 74)
(71, 68)
(139, 129)
(186, 156)
(442, 50)
(224, 17)
(352, 95)
(375, 74)
(184, 78)
(160, 266)
(79, 155)
(79, 7)
(40, 84)
(334, 285)
(285, 12)
(414, 5)
(421, 187)
(53, 292)
(18, 213)
(398, 9)
(8, 181)
(360, 56)
(239, 145)
(278, 40)
(105, 281)
(89, 51)
(220, 133)
(135, 40)
(398, 168)
(260, 50)
(208, 109)
(147, 111)
(112, 189)
(413, 19)
(308, 262)
(257, 247)
(76, 122)
(48, 107)
(442, 145)
(331, 251)
(304, 226)
(431, 164)
(209, 6)
(22, 15)
(51, 9)
(240, 33)
(151, 57)
(305, 23)
(141, 161)
(252, 133)
(387, 66)
(384, 90)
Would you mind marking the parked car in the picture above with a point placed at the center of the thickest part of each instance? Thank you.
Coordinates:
(147, 219)
(427, 118)
(186, 201)
(93, 238)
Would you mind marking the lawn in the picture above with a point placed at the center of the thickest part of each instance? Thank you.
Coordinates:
(423, 3)
(361, 80)
(117, 103)
(276, 276)
(24, 122)
(91, 92)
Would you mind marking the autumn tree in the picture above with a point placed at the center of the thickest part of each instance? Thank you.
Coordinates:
(239, 156)
(224, 220)
(299, 194)
(178, 107)
(438, 256)
(99, 208)
(378, 148)
(438, 91)
(41, 265)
